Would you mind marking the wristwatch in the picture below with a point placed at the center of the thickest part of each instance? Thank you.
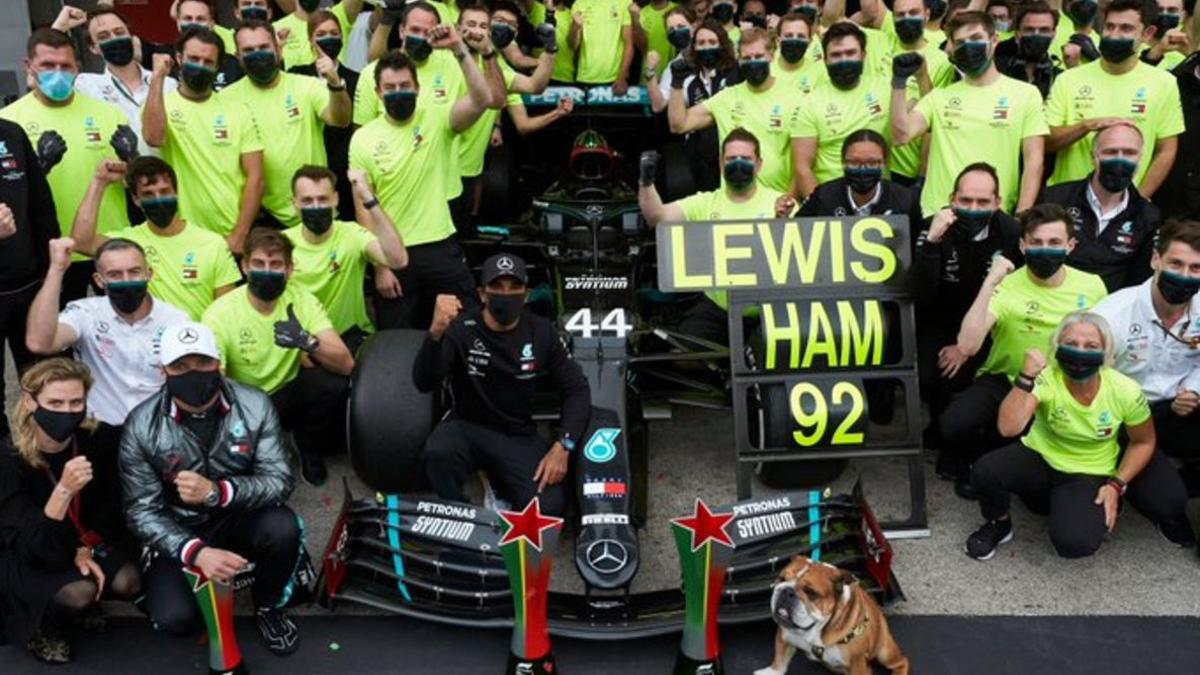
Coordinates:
(214, 497)
(1119, 485)
(567, 442)
(371, 203)
(341, 86)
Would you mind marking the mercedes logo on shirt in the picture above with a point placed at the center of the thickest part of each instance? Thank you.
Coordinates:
(607, 556)
(188, 335)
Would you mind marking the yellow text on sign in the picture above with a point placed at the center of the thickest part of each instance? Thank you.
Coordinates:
(852, 338)
(810, 409)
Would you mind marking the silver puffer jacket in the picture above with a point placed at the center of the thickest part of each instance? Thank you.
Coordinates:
(248, 461)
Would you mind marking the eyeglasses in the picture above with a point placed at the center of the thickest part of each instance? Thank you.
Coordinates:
(1191, 343)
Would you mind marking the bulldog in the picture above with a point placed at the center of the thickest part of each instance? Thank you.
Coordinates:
(824, 612)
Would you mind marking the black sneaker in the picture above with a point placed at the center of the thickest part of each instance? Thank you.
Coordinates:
(982, 543)
(1178, 531)
(277, 630)
(312, 470)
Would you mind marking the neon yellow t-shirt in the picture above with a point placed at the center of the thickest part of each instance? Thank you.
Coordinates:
(246, 338)
(1147, 95)
(879, 49)
(87, 126)
(830, 115)
(406, 164)
(447, 11)
(654, 24)
(969, 123)
(288, 117)
(804, 78)
(1077, 438)
(204, 143)
(1170, 60)
(905, 160)
(1062, 35)
(564, 60)
(717, 205)
(601, 47)
(770, 115)
(333, 271)
(188, 267)
(226, 35)
(297, 50)
(473, 142)
(934, 35)
(1027, 314)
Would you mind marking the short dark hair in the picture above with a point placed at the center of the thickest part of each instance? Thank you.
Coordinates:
(1147, 10)
(269, 241)
(756, 34)
(51, 38)
(211, 4)
(146, 169)
(314, 173)
(843, 29)
(978, 166)
(205, 36)
(1178, 229)
(94, 14)
(396, 59)
(319, 17)
(507, 6)
(1000, 3)
(1031, 8)
(421, 5)
(118, 244)
(474, 6)
(740, 134)
(865, 136)
(791, 17)
(965, 19)
(1040, 214)
(254, 24)
(681, 10)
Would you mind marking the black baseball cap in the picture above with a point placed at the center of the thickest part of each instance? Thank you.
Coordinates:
(503, 265)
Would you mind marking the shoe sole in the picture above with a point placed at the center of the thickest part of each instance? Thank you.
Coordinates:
(1007, 538)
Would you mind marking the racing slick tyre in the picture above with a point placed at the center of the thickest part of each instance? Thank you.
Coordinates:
(388, 420)
(677, 178)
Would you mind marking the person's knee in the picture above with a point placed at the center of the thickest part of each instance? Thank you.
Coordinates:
(984, 472)
(444, 447)
(76, 596)
(127, 583)
(181, 620)
(1076, 542)
(281, 528)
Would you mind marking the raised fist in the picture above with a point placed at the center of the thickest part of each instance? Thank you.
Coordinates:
(50, 150)
(648, 168)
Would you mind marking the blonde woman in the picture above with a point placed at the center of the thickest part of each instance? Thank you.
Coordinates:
(63, 542)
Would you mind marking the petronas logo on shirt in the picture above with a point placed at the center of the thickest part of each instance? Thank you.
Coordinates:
(293, 110)
(190, 270)
(220, 130)
(91, 131)
(439, 87)
(776, 121)
(1138, 107)
(1001, 110)
(873, 105)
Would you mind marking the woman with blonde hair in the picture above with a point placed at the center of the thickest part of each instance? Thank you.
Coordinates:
(1067, 462)
(63, 542)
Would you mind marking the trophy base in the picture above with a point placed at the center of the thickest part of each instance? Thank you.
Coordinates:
(239, 669)
(685, 665)
(542, 666)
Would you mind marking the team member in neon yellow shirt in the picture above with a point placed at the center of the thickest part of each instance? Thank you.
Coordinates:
(1070, 462)
(331, 256)
(408, 155)
(244, 10)
(1075, 39)
(605, 43)
(758, 104)
(984, 112)
(1116, 88)
(845, 101)
(742, 196)
(290, 110)
(294, 49)
(1020, 310)
(72, 135)
(798, 67)
(276, 336)
(1169, 46)
(191, 265)
(211, 143)
(724, 12)
(650, 31)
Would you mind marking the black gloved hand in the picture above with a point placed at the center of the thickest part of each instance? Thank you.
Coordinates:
(548, 37)
(125, 143)
(905, 66)
(648, 168)
(50, 150)
(680, 69)
(1087, 48)
(290, 334)
(393, 12)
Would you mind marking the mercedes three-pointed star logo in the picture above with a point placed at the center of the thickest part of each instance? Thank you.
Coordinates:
(607, 556)
(506, 264)
(188, 335)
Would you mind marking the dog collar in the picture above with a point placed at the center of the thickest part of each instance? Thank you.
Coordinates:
(819, 651)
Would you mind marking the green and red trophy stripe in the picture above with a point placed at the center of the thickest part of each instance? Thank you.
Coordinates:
(705, 550)
(528, 546)
(216, 606)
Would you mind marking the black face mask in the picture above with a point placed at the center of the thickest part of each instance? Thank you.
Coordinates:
(195, 387)
(755, 72)
(126, 296)
(722, 12)
(793, 49)
(261, 66)
(197, 77)
(972, 58)
(1166, 22)
(1034, 48)
(756, 20)
(505, 308)
(1082, 12)
(845, 74)
(160, 210)
(318, 219)
(309, 5)
(267, 285)
(1078, 364)
(1116, 174)
(1177, 289)
(58, 425)
(259, 13)
(972, 221)
(1116, 50)
(400, 105)
(330, 45)
(708, 57)
(417, 47)
(1045, 262)
(502, 34)
(863, 179)
(809, 10)
(937, 8)
(117, 51)
(739, 174)
(679, 38)
(910, 29)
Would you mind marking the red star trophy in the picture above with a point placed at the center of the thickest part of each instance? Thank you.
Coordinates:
(528, 548)
(705, 550)
(216, 606)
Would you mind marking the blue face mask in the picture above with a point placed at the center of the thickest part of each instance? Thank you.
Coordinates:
(56, 85)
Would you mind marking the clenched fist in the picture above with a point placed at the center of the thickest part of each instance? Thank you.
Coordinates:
(444, 312)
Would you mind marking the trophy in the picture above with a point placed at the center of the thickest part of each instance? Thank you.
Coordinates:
(528, 548)
(216, 605)
(705, 550)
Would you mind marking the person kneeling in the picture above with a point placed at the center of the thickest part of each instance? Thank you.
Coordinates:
(1067, 464)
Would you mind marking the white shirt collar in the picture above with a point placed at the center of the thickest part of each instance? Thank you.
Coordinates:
(865, 209)
(1103, 218)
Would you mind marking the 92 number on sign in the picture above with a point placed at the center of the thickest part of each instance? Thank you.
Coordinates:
(613, 323)
(817, 410)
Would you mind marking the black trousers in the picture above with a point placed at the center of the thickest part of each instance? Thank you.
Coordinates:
(462, 207)
(76, 282)
(269, 537)
(313, 407)
(434, 268)
(968, 424)
(1178, 436)
(705, 320)
(457, 448)
(14, 307)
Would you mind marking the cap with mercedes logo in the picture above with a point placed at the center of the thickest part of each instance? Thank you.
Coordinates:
(185, 339)
(503, 265)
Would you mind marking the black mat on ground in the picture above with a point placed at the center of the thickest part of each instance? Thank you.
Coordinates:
(935, 644)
